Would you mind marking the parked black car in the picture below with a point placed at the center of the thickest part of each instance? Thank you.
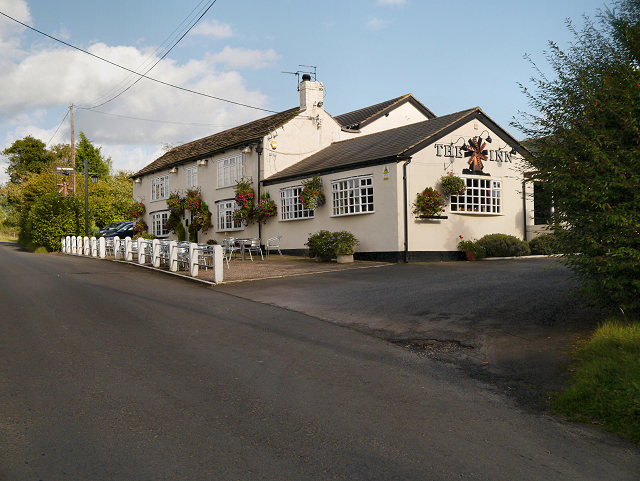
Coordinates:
(125, 230)
(109, 229)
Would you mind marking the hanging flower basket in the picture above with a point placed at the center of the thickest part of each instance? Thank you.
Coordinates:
(429, 203)
(176, 204)
(265, 208)
(452, 184)
(311, 195)
(137, 210)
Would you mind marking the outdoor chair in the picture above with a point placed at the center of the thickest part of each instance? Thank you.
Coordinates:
(273, 244)
(229, 248)
(253, 245)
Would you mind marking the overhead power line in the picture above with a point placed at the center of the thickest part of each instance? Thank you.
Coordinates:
(54, 134)
(158, 61)
(136, 73)
(160, 121)
(148, 59)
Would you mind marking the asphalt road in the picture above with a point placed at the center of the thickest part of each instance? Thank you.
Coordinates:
(513, 318)
(110, 371)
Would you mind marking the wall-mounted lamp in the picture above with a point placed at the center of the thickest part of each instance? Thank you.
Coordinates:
(138, 180)
(173, 171)
(320, 104)
(488, 139)
(202, 162)
(464, 144)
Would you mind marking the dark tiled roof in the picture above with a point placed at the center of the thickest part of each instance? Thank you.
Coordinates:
(206, 146)
(359, 118)
(395, 143)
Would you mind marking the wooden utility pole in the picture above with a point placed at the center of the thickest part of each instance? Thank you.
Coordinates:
(73, 155)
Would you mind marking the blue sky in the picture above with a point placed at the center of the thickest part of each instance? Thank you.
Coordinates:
(452, 55)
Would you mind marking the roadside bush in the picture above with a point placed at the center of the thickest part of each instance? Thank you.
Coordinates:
(503, 245)
(544, 245)
(51, 217)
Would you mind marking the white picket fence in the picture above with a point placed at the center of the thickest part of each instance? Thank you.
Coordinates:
(171, 254)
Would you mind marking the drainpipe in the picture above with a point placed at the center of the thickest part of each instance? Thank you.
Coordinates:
(259, 151)
(405, 257)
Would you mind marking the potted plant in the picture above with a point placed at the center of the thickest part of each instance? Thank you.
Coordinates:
(429, 203)
(311, 195)
(452, 184)
(345, 245)
(472, 248)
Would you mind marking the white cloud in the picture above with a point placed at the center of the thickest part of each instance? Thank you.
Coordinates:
(39, 81)
(391, 2)
(376, 23)
(237, 58)
(212, 28)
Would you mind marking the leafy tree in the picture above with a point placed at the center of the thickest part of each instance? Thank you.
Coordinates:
(587, 144)
(95, 161)
(28, 155)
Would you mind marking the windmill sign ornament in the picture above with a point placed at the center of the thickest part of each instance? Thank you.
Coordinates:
(475, 150)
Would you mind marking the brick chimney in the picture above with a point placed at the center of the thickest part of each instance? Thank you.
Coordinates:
(311, 93)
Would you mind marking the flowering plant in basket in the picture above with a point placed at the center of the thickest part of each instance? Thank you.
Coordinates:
(429, 202)
(265, 208)
(452, 184)
(136, 210)
(174, 202)
(311, 195)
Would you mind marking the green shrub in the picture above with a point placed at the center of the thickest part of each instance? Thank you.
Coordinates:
(182, 235)
(52, 217)
(544, 245)
(503, 245)
(330, 244)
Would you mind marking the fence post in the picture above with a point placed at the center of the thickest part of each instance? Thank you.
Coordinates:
(94, 247)
(116, 247)
(193, 259)
(74, 245)
(67, 245)
(86, 247)
(79, 245)
(173, 256)
(155, 253)
(128, 253)
(63, 245)
(102, 247)
(142, 244)
(217, 264)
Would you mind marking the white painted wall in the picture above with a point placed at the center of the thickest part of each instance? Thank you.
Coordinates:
(406, 114)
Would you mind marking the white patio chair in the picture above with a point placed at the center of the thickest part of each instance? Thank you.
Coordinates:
(229, 248)
(273, 244)
(253, 245)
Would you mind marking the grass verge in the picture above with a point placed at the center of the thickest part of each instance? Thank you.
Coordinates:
(605, 388)
(8, 234)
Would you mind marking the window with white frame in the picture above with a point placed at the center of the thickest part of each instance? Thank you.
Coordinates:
(290, 206)
(483, 196)
(192, 177)
(353, 195)
(158, 223)
(229, 170)
(160, 187)
(225, 209)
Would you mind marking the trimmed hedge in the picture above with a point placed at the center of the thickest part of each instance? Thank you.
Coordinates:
(503, 245)
(52, 217)
(544, 244)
